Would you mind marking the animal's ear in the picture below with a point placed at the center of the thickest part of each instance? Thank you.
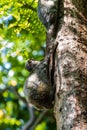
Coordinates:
(31, 64)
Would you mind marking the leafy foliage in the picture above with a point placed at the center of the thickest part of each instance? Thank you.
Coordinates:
(20, 24)
(22, 36)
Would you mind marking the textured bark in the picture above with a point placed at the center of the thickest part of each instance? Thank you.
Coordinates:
(71, 67)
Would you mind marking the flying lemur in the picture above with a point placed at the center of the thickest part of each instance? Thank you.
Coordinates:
(38, 88)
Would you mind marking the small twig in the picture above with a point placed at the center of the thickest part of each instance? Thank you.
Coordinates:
(18, 95)
(3, 90)
(31, 119)
(39, 119)
(30, 109)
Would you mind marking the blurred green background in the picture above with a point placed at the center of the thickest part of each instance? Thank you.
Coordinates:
(22, 36)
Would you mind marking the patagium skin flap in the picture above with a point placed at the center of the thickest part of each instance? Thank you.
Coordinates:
(37, 88)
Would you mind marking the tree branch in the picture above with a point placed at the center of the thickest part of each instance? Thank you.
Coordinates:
(39, 119)
(18, 95)
(3, 90)
(31, 118)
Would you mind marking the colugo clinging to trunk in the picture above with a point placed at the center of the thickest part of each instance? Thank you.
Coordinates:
(37, 88)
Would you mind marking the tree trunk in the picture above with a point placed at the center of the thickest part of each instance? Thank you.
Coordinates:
(71, 67)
